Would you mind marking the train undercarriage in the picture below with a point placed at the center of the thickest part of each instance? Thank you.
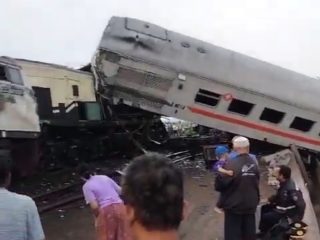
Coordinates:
(126, 133)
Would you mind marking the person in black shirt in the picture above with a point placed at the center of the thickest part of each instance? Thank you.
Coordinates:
(287, 202)
(240, 194)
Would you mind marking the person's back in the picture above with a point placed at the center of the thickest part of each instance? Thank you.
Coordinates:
(102, 195)
(19, 219)
(242, 195)
(104, 188)
(234, 154)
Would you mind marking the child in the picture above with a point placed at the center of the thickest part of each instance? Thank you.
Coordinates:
(222, 154)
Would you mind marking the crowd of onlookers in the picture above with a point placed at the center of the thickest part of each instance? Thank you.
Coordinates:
(150, 202)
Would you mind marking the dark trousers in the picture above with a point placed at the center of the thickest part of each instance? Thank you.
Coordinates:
(269, 217)
(239, 226)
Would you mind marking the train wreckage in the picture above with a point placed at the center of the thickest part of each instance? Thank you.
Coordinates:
(139, 73)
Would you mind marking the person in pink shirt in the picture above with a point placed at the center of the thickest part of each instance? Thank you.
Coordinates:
(102, 194)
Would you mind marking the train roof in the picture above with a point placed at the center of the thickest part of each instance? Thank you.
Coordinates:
(8, 61)
(57, 66)
(151, 43)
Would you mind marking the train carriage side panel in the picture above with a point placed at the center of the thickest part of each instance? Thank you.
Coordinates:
(59, 89)
(141, 41)
(61, 79)
(135, 66)
(18, 117)
(185, 103)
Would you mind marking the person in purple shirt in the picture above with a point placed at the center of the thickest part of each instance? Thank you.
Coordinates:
(102, 194)
(222, 155)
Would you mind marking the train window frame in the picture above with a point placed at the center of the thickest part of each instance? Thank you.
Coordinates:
(204, 97)
(271, 111)
(201, 50)
(75, 90)
(185, 44)
(247, 113)
(14, 75)
(298, 120)
(4, 73)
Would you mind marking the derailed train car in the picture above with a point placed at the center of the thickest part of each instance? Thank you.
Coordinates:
(149, 67)
(19, 121)
(51, 117)
(68, 110)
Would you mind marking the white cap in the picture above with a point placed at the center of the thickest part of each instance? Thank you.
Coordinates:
(241, 142)
(234, 138)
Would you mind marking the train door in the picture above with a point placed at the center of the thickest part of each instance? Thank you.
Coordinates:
(44, 101)
(72, 99)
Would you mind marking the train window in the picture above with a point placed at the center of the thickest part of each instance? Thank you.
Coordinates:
(3, 75)
(15, 76)
(201, 50)
(185, 44)
(302, 124)
(75, 90)
(208, 98)
(271, 115)
(241, 107)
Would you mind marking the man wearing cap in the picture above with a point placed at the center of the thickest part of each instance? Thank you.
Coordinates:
(240, 194)
(233, 153)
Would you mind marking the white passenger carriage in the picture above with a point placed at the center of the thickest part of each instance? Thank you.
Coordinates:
(149, 67)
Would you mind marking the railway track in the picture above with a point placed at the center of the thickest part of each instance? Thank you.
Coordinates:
(71, 193)
(58, 197)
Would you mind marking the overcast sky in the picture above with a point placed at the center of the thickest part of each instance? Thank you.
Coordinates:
(283, 32)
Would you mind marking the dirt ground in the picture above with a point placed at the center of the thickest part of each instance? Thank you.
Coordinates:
(203, 223)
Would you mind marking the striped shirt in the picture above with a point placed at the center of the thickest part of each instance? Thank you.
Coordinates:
(19, 218)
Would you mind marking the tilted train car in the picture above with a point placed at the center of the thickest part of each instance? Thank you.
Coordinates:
(149, 67)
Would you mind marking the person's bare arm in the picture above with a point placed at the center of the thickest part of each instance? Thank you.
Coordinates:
(94, 208)
(225, 171)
